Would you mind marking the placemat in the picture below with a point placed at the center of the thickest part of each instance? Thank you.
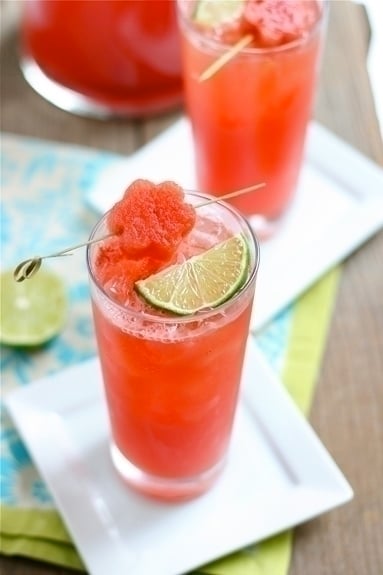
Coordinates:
(44, 208)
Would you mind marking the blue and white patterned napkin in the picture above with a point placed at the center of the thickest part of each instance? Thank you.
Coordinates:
(44, 209)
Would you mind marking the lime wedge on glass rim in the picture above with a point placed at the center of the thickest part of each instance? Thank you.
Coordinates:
(201, 282)
(33, 311)
(215, 12)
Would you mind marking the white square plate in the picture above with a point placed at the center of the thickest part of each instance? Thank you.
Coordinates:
(338, 205)
(278, 475)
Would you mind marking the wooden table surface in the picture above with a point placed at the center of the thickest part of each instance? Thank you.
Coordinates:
(348, 407)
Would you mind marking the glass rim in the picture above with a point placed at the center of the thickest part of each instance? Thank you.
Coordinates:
(202, 314)
(294, 44)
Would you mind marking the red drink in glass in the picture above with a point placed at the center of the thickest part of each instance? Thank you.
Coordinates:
(249, 118)
(172, 382)
(104, 57)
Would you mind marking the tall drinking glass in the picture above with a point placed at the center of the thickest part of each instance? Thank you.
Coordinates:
(249, 117)
(172, 382)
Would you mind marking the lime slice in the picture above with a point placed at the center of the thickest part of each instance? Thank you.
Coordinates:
(215, 12)
(33, 311)
(203, 281)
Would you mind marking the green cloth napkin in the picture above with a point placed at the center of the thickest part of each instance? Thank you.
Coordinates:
(42, 535)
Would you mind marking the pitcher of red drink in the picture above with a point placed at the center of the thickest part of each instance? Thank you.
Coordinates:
(104, 58)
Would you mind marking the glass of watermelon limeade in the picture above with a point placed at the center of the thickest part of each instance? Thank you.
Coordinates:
(101, 58)
(171, 376)
(249, 117)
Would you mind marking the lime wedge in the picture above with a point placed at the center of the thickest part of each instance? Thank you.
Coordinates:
(203, 281)
(215, 12)
(33, 311)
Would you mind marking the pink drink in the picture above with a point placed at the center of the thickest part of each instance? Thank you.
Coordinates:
(103, 57)
(171, 381)
(249, 118)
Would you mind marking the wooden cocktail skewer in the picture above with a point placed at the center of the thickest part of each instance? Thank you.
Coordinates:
(226, 57)
(28, 268)
(231, 194)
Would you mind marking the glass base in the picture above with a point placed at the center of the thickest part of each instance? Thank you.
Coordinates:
(164, 488)
(266, 227)
(76, 103)
(263, 227)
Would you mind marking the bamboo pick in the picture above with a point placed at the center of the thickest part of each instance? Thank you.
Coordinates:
(28, 268)
(225, 58)
(232, 194)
